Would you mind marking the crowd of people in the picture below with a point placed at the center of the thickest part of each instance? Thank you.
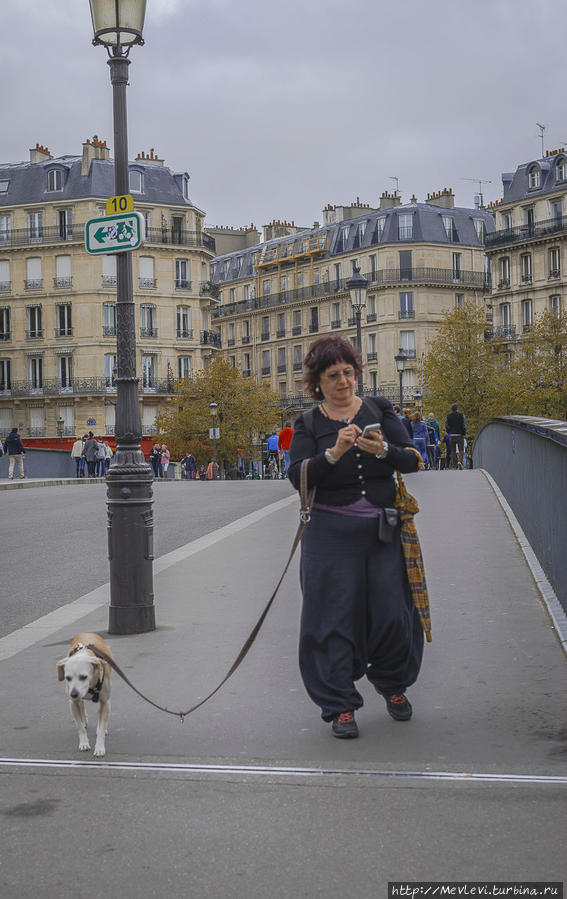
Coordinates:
(92, 454)
(437, 451)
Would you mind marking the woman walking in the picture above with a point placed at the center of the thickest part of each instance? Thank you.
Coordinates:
(358, 616)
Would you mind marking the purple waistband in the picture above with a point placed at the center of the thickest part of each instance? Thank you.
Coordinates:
(360, 509)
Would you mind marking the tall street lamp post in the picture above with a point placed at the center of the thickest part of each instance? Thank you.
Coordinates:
(214, 408)
(118, 25)
(357, 286)
(400, 358)
(60, 426)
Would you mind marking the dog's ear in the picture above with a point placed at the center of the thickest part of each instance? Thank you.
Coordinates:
(98, 667)
(61, 669)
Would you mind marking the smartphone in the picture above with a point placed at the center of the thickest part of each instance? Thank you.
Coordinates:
(373, 427)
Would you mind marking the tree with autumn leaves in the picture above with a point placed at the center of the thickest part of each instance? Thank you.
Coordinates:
(245, 408)
(467, 363)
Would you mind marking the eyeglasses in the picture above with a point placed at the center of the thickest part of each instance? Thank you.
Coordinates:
(335, 375)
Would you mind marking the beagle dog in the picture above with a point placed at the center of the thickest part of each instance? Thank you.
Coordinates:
(87, 677)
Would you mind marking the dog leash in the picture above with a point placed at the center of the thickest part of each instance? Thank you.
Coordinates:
(306, 501)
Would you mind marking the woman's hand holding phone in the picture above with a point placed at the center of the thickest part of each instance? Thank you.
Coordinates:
(371, 439)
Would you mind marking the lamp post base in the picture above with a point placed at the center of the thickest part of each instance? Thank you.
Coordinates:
(131, 619)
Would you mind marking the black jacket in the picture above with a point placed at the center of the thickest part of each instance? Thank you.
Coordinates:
(357, 473)
(456, 423)
(13, 444)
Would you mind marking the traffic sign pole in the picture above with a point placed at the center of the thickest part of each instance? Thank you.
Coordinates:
(129, 478)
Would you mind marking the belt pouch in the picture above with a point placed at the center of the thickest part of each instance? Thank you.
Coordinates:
(387, 523)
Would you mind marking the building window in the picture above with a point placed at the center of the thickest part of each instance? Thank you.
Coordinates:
(407, 343)
(182, 274)
(506, 316)
(297, 321)
(135, 181)
(406, 305)
(34, 322)
(5, 376)
(371, 308)
(554, 263)
(380, 223)
(247, 292)
(148, 318)
(457, 270)
(265, 362)
(65, 224)
(314, 326)
(338, 275)
(450, 229)
(283, 283)
(35, 373)
(405, 265)
(54, 179)
(109, 319)
(265, 333)
(526, 268)
(374, 382)
(557, 211)
(246, 367)
(504, 271)
(63, 318)
(109, 271)
(34, 280)
(63, 271)
(506, 221)
(555, 304)
(336, 316)
(459, 300)
(281, 360)
(479, 228)
(147, 225)
(110, 369)
(184, 367)
(4, 185)
(373, 268)
(371, 341)
(146, 269)
(246, 331)
(297, 358)
(267, 286)
(184, 322)
(5, 229)
(5, 333)
(527, 315)
(149, 372)
(35, 227)
(65, 372)
(534, 177)
(405, 227)
(561, 169)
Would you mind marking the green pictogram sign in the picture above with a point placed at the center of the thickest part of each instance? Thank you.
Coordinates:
(114, 233)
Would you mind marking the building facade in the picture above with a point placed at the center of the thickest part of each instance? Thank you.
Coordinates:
(419, 260)
(57, 303)
(527, 249)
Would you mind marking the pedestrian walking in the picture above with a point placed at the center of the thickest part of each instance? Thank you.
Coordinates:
(90, 451)
(100, 458)
(165, 457)
(109, 455)
(189, 466)
(212, 471)
(77, 455)
(155, 460)
(420, 436)
(432, 422)
(407, 422)
(358, 616)
(202, 473)
(14, 447)
(456, 426)
(284, 442)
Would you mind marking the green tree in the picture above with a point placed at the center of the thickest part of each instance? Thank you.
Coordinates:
(462, 366)
(538, 373)
(244, 409)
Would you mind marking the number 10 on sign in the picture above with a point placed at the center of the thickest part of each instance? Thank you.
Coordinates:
(125, 203)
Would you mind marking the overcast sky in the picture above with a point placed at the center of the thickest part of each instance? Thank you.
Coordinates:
(278, 108)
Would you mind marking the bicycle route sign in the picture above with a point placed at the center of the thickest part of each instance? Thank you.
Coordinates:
(114, 233)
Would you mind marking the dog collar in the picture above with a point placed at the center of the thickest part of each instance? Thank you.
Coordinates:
(94, 692)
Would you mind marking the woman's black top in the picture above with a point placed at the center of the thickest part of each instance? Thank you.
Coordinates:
(357, 474)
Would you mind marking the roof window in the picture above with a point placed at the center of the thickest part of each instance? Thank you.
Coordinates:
(4, 185)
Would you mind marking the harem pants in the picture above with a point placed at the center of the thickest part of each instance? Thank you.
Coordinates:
(358, 616)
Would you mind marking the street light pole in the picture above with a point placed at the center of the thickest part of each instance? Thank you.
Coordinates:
(214, 407)
(118, 25)
(400, 359)
(357, 286)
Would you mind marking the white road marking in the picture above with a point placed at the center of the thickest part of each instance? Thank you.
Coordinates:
(279, 771)
(60, 618)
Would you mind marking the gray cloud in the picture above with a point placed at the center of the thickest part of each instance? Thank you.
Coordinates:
(277, 109)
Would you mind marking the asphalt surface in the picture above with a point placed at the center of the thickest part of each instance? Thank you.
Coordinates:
(251, 796)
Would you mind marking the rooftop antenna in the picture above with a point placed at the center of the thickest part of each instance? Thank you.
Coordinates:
(541, 132)
(480, 182)
(397, 180)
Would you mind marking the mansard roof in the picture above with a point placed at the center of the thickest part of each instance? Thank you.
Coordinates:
(28, 182)
(365, 232)
(517, 185)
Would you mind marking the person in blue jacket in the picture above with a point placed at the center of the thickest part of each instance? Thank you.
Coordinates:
(420, 435)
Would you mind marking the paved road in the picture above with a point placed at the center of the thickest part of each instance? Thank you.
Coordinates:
(54, 543)
(490, 703)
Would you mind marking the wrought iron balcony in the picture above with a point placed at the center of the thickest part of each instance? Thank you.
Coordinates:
(5, 286)
(63, 332)
(265, 335)
(296, 330)
(526, 232)
(313, 328)
(210, 338)
(336, 323)
(62, 282)
(180, 238)
(246, 338)
(21, 237)
(147, 283)
(109, 331)
(266, 370)
(34, 334)
(280, 332)
(231, 341)
(185, 333)
(5, 335)
(33, 283)
(372, 357)
(508, 333)
(182, 284)
(246, 372)
(109, 280)
(297, 366)
(371, 317)
(406, 313)
(148, 332)
(282, 369)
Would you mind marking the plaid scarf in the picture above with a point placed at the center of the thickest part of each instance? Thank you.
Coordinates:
(407, 506)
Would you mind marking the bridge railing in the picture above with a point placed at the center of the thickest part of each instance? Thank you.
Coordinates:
(527, 457)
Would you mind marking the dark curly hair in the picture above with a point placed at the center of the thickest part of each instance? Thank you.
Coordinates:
(324, 352)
